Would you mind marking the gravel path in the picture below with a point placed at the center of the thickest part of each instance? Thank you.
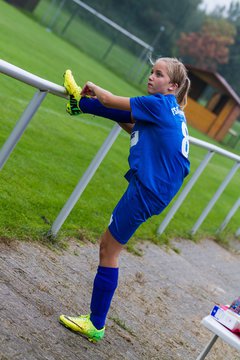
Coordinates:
(156, 312)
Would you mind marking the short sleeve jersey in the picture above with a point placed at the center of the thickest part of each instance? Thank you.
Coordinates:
(159, 144)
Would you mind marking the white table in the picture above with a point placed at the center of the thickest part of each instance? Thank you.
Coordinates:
(219, 331)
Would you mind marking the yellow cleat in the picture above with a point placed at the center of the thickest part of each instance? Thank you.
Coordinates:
(83, 325)
(71, 85)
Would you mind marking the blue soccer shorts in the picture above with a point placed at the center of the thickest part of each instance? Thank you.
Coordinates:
(134, 208)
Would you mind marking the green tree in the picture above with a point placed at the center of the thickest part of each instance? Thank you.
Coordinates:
(231, 70)
(147, 19)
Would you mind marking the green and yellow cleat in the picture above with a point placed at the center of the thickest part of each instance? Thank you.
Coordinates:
(83, 325)
(71, 85)
(74, 91)
(72, 106)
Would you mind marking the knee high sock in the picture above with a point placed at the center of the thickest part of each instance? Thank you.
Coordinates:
(104, 286)
(94, 107)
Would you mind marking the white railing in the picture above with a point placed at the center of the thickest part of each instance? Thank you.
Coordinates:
(44, 87)
(212, 149)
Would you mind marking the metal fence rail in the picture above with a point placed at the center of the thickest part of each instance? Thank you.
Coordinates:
(100, 16)
(44, 87)
(229, 215)
(212, 149)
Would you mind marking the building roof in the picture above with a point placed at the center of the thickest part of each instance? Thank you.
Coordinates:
(216, 80)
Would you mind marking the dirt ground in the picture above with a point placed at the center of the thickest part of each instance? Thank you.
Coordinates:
(156, 312)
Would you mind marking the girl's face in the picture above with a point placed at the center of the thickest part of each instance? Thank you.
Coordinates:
(159, 81)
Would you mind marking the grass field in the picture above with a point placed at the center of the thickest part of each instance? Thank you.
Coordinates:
(56, 149)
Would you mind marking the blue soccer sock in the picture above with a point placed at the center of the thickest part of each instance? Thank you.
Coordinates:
(94, 107)
(105, 284)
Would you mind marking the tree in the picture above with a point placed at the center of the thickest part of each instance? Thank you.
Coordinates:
(231, 70)
(210, 46)
(26, 5)
(145, 18)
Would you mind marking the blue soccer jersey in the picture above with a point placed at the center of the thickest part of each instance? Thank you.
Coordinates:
(159, 145)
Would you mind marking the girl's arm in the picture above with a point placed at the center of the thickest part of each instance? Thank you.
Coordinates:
(106, 97)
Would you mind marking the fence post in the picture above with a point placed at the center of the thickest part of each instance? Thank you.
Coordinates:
(56, 15)
(21, 126)
(48, 11)
(229, 216)
(84, 181)
(215, 198)
(72, 16)
(184, 193)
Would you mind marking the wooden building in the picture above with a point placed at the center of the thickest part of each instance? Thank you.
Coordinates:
(213, 105)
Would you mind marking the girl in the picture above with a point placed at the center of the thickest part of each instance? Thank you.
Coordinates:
(158, 163)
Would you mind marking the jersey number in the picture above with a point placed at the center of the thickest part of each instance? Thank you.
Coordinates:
(185, 140)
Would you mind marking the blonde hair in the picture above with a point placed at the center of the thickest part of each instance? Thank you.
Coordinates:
(178, 75)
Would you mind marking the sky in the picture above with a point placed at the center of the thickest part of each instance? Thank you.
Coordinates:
(211, 4)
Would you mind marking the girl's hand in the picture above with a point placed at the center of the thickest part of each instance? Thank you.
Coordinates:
(88, 89)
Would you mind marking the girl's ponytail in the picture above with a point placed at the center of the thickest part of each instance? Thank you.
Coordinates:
(183, 93)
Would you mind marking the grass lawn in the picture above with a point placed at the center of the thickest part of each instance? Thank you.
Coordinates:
(56, 149)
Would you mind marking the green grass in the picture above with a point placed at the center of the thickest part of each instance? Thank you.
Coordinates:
(56, 149)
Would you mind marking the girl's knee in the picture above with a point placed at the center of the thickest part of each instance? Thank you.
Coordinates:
(109, 248)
